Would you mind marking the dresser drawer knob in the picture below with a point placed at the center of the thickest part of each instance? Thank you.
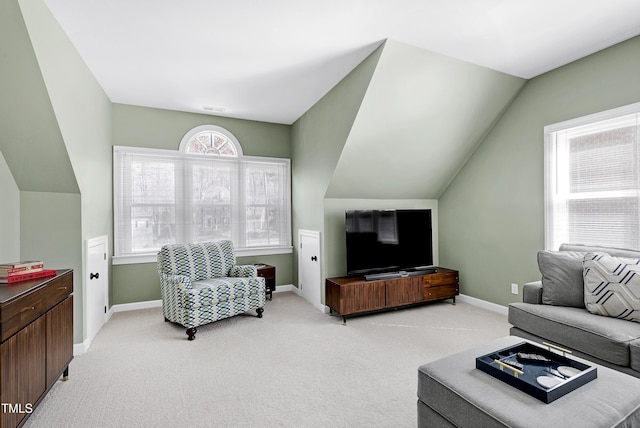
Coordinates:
(30, 308)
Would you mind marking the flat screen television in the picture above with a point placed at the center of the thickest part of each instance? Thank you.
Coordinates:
(380, 241)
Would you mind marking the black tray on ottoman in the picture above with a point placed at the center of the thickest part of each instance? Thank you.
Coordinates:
(452, 393)
(538, 371)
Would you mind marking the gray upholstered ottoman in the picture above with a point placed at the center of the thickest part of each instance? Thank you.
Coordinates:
(453, 393)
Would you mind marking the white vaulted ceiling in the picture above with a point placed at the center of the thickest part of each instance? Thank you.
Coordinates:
(271, 61)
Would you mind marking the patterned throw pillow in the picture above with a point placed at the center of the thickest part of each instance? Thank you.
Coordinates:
(612, 286)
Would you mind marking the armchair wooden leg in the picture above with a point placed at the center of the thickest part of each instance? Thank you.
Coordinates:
(260, 311)
(191, 332)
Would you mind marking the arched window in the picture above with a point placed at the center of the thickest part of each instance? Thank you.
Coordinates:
(207, 190)
(210, 140)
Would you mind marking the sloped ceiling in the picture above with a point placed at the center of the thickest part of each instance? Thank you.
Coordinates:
(30, 138)
(421, 118)
(272, 60)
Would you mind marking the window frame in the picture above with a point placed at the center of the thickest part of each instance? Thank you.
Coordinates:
(554, 156)
(180, 158)
(186, 139)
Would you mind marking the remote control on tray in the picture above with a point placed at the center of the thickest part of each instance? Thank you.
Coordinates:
(532, 358)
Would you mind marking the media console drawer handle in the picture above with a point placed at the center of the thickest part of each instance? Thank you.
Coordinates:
(28, 308)
(62, 288)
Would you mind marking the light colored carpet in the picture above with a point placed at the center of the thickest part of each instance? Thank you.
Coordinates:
(296, 367)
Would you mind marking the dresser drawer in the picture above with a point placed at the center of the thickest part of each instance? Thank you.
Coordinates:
(440, 278)
(441, 292)
(25, 308)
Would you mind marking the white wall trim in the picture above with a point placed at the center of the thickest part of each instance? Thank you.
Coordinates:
(239, 252)
(595, 117)
(81, 348)
(502, 310)
(210, 128)
(124, 307)
(285, 288)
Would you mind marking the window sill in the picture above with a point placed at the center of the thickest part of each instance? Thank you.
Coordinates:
(153, 258)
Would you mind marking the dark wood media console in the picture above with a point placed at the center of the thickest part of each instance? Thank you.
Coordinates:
(356, 295)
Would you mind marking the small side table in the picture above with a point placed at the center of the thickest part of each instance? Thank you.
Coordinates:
(268, 272)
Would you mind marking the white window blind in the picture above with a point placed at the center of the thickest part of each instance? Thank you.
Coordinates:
(164, 196)
(592, 180)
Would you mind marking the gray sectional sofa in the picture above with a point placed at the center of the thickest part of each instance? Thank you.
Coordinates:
(554, 310)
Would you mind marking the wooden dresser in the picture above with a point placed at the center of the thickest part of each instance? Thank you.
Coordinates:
(36, 333)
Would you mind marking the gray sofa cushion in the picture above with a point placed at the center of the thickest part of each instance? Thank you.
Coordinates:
(603, 337)
(634, 351)
(562, 283)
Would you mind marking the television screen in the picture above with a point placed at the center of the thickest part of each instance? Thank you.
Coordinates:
(381, 241)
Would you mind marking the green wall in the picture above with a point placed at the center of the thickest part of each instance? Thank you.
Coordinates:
(492, 214)
(318, 138)
(47, 211)
(391, 134)
(9, 214)
(136, 126)
(83, 115)
(50, 231)
(422, 114)
(30, 139)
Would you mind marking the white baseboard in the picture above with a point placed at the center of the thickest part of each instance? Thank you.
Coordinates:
(285, 288)
(81, 348)
(124, 307)
(502, 310)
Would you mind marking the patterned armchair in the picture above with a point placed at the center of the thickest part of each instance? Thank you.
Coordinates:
(201, 283)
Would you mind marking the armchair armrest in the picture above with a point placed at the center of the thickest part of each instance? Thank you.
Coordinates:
(182, 281)
(532, 292)
(243, 271)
